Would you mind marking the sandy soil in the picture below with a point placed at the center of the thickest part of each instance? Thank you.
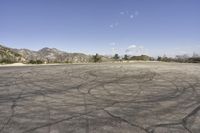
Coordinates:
(101, 98)
(21, 64)
(14, 64)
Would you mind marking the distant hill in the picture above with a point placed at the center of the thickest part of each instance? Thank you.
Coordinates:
(44, 55)
(8, 55)
(53, 55)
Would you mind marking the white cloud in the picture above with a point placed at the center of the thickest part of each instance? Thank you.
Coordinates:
(136, 50)
(114, 50)
(111, 26)
(136, 13)
(141, 47)
(131, 16)
(113, 44)
(126, 15)
(122, 13)
(131, 46)
(114, 25)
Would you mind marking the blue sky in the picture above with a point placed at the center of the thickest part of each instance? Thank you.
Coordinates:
(153, 27)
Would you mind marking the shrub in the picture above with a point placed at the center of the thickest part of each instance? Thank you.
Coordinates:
(35, 62)
(96, 58)
(125, 57)
(116, 57)
(7, 61)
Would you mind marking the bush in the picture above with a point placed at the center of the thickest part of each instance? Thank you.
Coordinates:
(180, 59)
(141, 57)
(96, 58)
(39, 62)
(126, 57)
(68, 61)
(159, 58)
(35, 62)
(194, 60)
(7, 61)
(116, 57)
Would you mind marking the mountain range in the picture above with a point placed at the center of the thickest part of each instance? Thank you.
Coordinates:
(45, 55)
(53, 55)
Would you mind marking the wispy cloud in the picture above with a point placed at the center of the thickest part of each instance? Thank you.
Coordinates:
(122, 13)
(114, 25)
(111, 26)
(114, 50)
(136, 13)
(113, 47)
(136, 50)
(131, 47)
(125, 15)
(131, 16)
(112, 44)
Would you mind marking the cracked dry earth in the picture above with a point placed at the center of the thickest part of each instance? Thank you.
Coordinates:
(101, 98)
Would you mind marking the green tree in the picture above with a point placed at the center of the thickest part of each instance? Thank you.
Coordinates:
(125, 57)
(96, 58)
(35, 62)
(39, 62)
(159, 58)
(116, 57)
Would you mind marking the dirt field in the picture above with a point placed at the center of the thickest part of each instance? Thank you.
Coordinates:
(101, 98)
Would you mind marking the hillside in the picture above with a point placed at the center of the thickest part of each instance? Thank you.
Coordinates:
(44, 55)
(8, 55)
(53, 55)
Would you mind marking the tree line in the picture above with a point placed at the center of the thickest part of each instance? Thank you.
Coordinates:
(195, 58)
(179, 58)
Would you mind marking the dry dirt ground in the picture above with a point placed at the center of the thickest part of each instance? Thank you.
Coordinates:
(101, 98)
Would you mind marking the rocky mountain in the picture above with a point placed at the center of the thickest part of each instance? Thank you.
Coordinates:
(8, 55)
(44, 55)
